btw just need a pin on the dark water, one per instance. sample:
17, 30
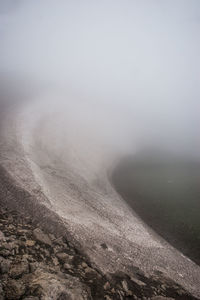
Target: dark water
165, 191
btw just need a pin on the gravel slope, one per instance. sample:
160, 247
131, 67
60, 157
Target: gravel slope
62, 182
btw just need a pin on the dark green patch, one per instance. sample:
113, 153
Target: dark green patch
165, 191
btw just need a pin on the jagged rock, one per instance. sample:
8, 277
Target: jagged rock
30, 243
4, 252
31, 298
161, 298
41, 237
104, 246
59, 241
106, 286
84, 265
90, 271
4, 265
64, 257
53, 286
138, 282
45, 272
2, 236
2, 297
32, 267
1, 292
18, 269
14, 289
125, 286
67, 266
107, 297
55, 261
52, 236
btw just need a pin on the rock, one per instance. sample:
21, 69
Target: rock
1, 292
107, 297
106, 286
53, 286
4, 252
41, 237
17, 270
84, 265
14, 289
55, 261
90, 270
2, 236
10, 246
104, 246
59, 241
4, 265
138, 282
161, 298
31, 298
64, 257
52, 236
125, 286
46, 252
33, 267
30, 243
67, 266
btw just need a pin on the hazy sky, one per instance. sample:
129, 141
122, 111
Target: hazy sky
141, 55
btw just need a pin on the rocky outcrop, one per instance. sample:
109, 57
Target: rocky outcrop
35, 265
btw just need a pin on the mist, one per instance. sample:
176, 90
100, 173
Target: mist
99, 149
131, 67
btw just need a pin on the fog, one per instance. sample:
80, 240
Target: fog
132, 67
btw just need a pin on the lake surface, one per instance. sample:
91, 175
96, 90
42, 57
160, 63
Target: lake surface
165, 191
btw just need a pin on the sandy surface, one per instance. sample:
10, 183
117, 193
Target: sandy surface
51, 156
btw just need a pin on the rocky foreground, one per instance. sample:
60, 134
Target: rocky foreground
36, 265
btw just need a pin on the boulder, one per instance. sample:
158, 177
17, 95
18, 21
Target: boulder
4, 265
14, 289
41, 237
64, 257
18, 269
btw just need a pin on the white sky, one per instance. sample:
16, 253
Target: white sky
140, 56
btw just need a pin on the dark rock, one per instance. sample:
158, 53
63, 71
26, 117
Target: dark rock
1, 292
18, 269
14, 289
104, 246
10, 246
4, 265
64, 296
4, 252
